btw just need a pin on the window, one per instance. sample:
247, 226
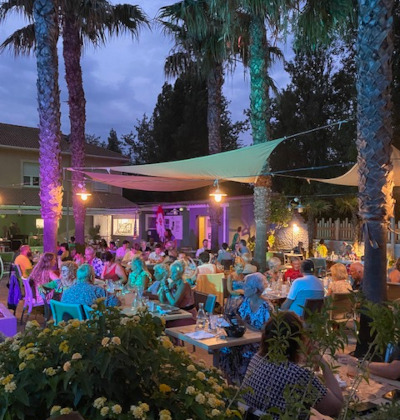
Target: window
99, 186
30, 174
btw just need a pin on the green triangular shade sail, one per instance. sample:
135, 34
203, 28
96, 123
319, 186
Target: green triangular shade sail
241, 165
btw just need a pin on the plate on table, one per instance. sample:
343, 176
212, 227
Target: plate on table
167, 309
99, 282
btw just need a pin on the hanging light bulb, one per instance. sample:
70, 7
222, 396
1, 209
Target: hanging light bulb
217, 193
84, 195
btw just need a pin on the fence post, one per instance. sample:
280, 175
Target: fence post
337, 229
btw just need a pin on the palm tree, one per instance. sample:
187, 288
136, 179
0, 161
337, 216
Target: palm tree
80, 20
313, 209
46, 31
274, 13
199, 48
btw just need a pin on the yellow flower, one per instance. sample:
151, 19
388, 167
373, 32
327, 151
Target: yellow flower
164, 388
191, 368
145, 407
7, 379
50, 371
166, 342
99, 402
117, 409
136, 411
32, 324
65, 410
55, 409
75, 323
217, 388
215, 412
200, 398
46, 331
22, 366
76, 356
105, 341
12, 386
190, 390
30, 357
104, 411
64, 346
165, 415
29, 345
201, 376
67, 366
116, 341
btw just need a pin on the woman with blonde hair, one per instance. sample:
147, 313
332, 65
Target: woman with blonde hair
43, 271
274, 265
139, 276
339, 283
234, 286
66, 280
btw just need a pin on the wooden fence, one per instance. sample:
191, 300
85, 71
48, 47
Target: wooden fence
343, 230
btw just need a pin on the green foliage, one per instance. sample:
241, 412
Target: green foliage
94, 232
108, 367
178, 127
114, 143
93, 139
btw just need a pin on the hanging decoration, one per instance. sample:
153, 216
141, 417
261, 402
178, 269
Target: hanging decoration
160, 224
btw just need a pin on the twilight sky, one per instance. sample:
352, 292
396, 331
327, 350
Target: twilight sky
121, 80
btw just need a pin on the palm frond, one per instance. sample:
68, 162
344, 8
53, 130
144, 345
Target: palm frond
22, 7
21, 42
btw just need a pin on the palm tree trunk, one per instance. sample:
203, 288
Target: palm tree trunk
72, 47
46, 33
214, 90
259, 122
310, 233
374, 135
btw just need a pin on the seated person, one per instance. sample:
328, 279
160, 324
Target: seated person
394, 275
224, 254
176, 292
234, 285
249, 268
303, 288
191, 270
91, 259
112, 248
205, 266
66, 280
122, 250
84, 292
274, 271
294, 272
64, 253
254, 312
23, 260
203, 249
269, 381
356, 271
299, 249
243, 247
112, 270
339, 283
139, 276
157, 256
43, 272
161, 273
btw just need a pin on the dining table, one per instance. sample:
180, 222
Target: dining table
212, 342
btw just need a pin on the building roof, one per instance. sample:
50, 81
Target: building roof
17, 136
30, 197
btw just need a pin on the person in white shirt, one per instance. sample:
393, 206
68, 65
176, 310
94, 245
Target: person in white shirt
205, 266
303, 288
157, 256
122, 250
200, 250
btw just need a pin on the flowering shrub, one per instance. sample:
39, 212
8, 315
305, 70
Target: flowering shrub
106, 368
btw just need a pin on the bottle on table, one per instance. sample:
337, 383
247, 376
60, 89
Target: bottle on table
201, 319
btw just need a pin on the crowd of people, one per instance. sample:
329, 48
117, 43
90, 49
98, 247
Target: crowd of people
69, 276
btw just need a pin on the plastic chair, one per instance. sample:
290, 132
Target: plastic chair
88, 311
208, 301
393, 291
342, 308
298, 304
30, 301
312, 306
66, 311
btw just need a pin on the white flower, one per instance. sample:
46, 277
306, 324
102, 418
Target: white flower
136, 411
65, 410
200, 398
191, 368
116, 409
165, 415
105, 341
49, 371
76, 356
116, 341
55, 409
10, 387
201, 376
104, 411
99, 402
215, 412
190, 390
124, 321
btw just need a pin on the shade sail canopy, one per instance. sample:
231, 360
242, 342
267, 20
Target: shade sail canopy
241, 165
351, 177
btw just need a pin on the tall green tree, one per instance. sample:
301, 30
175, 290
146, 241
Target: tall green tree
46, 31
113, 143
79, 20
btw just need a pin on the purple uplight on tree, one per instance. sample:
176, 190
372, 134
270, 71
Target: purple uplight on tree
46, 32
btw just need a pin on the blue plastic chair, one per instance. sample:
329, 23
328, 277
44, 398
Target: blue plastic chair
66, 311
88, 311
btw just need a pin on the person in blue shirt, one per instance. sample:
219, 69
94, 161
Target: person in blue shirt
84, 292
